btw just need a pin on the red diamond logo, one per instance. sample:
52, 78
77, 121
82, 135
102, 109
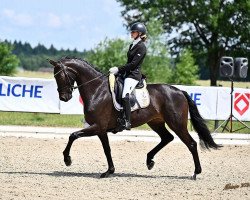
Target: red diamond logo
241, 99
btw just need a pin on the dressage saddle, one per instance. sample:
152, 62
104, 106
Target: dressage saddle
119, 84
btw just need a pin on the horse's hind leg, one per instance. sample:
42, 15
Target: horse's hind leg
192, 146
166, 137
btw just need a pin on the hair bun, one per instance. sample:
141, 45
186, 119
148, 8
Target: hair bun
144, 37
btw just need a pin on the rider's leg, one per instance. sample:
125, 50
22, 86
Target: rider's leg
129, 86
126, 112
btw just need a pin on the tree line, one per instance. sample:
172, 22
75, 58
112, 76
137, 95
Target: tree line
35, 59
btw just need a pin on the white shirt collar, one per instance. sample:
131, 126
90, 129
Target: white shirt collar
136, 41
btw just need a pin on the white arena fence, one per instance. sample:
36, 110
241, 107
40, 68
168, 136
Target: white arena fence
40, 95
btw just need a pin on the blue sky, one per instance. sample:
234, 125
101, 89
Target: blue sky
80, 24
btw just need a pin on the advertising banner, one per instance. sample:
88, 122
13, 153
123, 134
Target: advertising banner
204, 97
73, 106
240, 103
40, 95
28, 95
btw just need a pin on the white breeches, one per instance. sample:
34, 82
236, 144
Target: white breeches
129, 86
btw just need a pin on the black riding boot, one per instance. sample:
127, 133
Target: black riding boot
127, 112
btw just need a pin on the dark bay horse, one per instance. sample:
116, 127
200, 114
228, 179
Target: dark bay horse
167, 105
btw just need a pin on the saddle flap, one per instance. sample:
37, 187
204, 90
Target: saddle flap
119, 83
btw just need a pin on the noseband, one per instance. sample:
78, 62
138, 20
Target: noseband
68, 77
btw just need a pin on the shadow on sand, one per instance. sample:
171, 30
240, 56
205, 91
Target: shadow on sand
93, 175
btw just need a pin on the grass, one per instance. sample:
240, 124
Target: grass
57, 120
235, 127
40, 119
33, 74
76, 121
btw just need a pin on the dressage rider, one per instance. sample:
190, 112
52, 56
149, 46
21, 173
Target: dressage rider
131, 71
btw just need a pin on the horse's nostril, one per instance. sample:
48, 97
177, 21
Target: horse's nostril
62, 98
65, 97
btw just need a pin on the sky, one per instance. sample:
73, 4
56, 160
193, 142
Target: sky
79, 24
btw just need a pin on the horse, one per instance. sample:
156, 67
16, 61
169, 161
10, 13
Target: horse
168, 104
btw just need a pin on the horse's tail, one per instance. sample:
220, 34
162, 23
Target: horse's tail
199, 125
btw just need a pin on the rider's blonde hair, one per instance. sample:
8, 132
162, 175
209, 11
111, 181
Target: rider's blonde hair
144, 37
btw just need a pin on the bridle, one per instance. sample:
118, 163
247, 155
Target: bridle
68, 77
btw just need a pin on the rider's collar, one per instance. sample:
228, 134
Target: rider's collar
136, 41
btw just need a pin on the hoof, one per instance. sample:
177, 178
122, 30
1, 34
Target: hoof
107, 173
151, 165
67, 160
193, 177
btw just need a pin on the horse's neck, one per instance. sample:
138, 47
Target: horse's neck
87, 75
89, 81
93, 92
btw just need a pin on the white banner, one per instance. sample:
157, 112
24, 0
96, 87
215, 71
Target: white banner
28, 95
204, 97
40, 95
73, 106
240, 104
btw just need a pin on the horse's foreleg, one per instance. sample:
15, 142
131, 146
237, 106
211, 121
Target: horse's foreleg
89, 131
105, 143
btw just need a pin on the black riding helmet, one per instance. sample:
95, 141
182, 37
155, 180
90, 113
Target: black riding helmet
140, 27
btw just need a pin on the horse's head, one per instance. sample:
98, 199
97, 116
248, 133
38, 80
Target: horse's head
65, 79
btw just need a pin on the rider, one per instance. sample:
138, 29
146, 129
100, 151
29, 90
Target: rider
131, 70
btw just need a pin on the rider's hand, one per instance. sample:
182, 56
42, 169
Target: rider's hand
113, 70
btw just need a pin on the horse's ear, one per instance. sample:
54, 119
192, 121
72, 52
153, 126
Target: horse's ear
52, 62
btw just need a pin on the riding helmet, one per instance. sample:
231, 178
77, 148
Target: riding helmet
140, 27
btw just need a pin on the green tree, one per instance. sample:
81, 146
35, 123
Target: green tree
8, 61
157, 61
185, 72
212, 28
109, 53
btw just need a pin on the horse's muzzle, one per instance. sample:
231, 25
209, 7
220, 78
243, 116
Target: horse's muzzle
65, 97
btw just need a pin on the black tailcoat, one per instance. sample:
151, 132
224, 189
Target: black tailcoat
132, 69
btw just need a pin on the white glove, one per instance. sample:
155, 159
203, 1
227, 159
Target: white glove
113, 70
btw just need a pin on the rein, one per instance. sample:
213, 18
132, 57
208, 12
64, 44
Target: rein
75, 87
72, 87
